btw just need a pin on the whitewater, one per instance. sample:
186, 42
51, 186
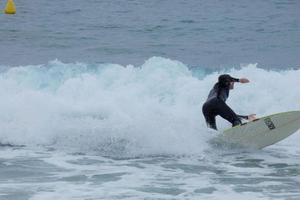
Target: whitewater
109, 131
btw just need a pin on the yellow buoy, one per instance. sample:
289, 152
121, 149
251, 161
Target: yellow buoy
10, 7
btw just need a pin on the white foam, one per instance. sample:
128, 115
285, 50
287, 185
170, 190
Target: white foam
126, 110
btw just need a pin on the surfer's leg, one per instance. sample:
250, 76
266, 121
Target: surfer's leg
211, 123
227, 113
209, 116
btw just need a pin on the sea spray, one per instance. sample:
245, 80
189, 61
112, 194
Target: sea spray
126, 110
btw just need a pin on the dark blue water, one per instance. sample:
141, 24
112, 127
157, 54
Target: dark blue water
202, 33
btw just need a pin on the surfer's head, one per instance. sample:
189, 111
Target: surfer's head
226, 81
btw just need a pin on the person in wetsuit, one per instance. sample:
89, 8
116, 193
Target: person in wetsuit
215, 103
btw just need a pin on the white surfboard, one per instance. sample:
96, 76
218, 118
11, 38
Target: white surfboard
264, 131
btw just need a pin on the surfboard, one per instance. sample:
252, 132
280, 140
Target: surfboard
264, 131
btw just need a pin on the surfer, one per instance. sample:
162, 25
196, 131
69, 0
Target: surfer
215, 103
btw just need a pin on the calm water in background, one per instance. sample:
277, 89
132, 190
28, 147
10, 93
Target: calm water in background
80, 128
199, 33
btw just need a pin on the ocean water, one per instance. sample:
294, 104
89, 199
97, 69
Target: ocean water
102, 99
200, 33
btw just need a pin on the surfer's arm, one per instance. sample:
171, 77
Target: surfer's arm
243, 117
235, 79
247, 117
243, 80
240, 80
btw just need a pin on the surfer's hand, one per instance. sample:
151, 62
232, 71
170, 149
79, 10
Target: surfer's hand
251, 117
244, 80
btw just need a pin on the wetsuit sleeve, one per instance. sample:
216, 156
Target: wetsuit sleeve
243, 116
235, 79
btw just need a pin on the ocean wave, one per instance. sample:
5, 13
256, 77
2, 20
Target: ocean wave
126, 110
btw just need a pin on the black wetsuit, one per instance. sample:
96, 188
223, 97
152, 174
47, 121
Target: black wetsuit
215, 105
